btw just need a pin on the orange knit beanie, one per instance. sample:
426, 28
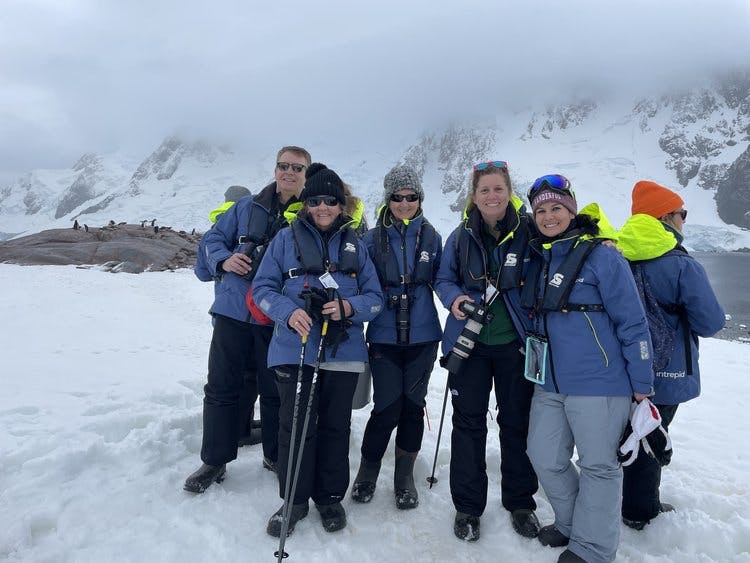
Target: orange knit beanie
655, 200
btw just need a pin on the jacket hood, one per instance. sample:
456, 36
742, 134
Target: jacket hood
644, 237
353, 221
213, 216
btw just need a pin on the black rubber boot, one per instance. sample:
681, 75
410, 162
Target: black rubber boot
525, 522
298, 512
254, 436
364, 483
466, 527
204, 477
403, 480
333, 516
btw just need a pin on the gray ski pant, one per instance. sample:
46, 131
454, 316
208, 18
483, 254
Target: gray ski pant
586, 503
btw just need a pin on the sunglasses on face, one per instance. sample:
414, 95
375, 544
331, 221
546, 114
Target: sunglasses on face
494, 163
315, 201
550, 181
398, 198
681, 212
284, 166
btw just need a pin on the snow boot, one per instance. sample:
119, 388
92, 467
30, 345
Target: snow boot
403, 480
364, 483
552, 537
525, 522
640, 524
568, 556
466, 526
204, 477
268, 464
275, 523
333, 516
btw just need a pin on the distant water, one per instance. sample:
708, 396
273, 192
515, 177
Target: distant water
729, 273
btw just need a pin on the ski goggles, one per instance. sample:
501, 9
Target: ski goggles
550, 181
315, 201
398, 198
284, 166
494, 164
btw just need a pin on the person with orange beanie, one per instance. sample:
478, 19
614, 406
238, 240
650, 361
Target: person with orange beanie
652, 237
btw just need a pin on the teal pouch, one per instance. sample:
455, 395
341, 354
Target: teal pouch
535, 366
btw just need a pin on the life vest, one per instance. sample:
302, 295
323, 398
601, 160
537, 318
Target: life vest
315, 262
386, 261
558, 287
472, 256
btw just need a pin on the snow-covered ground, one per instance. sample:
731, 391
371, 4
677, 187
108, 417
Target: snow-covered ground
100, 423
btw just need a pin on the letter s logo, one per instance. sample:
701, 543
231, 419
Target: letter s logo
557, 280
511, 259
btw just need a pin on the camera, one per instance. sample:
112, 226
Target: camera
255, 253
401, 304
477, 317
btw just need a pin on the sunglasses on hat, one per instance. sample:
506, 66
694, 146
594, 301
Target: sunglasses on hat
284, 166
398, 198
315, 201
550, 181
494, 163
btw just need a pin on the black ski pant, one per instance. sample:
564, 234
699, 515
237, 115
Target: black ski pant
641, 479
230, 391
269, 392
470, 391
324, 473
400, 376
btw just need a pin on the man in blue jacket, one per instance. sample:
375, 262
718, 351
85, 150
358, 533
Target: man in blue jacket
232, 252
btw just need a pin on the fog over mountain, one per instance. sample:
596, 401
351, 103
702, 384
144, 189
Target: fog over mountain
101, 77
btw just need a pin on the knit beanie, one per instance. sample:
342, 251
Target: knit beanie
401, 178
322, 181
655, 200
235, 193
566, 199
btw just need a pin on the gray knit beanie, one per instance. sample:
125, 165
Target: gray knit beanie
235, 193
401, 178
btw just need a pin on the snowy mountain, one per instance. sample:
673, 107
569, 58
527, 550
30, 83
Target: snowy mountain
689, 142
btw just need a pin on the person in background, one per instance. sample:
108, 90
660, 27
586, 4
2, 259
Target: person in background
318, 250
232, 251
403, 339
652, 237
589, 352
482, 265
250, 429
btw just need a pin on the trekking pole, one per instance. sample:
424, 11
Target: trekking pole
432, 479
287, 509
289, 501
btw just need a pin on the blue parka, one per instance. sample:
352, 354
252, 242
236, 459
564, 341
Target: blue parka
447, 281
424, 325
676, 278
594, 353
278, 297
223, 240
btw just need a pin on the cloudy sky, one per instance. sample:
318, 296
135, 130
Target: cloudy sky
97, 75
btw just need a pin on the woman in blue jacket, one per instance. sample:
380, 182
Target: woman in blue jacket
588, 349
482, 265
403, 339
318, 250
652, 237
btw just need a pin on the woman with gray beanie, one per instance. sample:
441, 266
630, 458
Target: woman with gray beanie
403, 339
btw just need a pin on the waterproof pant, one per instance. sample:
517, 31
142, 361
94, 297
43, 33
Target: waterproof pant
400, 376
230, 391
269, 392
470, 392
324, 473
641, 479
586, 504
